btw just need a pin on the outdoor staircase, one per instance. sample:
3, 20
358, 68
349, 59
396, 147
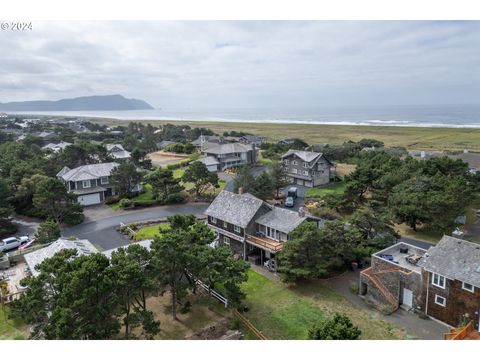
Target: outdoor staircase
373, 277
466, 332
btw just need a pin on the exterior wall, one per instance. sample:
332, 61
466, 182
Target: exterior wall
236, 246
458, 302
395, 282
229, 227
321, 171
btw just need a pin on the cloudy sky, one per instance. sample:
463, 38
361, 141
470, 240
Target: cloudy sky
245, 64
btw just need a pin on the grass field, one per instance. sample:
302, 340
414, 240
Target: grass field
409, 137
12, 330
149, 232
333, 188
282, 312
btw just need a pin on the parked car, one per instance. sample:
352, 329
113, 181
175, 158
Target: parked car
289, 202
12, 243
27, 245
292, 192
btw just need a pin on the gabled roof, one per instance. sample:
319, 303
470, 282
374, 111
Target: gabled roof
309, 156
209, 160
237, 209
228, 148
60, 146
281, 219
83, 247
87, 172
114, 147
123, 154
455, 259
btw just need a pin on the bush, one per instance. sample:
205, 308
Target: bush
234, 323
179, 165
125, 203
338, 328
354, 288
112, 199
7, 228
143, 203
175, 199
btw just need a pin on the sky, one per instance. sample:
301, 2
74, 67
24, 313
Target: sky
245, 64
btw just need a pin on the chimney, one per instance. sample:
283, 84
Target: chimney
240, 190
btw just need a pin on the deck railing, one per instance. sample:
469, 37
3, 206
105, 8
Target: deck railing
459, 333
269, 245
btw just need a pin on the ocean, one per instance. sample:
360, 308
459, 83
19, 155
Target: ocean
451, 116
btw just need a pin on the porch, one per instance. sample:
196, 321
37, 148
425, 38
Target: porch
262, 251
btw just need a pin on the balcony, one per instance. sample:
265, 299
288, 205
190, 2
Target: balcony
264, 243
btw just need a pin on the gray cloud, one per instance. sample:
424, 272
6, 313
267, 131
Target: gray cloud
267, 64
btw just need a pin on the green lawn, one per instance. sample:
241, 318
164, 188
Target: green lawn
333, 188
146, 195
149, 232
282, 312
12, 330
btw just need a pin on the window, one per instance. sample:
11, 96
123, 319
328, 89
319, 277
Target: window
294, 171
468, 287
294, 162
213, 220
438, 280
305, 172
439, 300
86, 184
286, 162
305, 165
225, 224
104, 180
226, 240
236, 228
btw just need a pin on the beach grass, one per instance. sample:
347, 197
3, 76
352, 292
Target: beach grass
418, 138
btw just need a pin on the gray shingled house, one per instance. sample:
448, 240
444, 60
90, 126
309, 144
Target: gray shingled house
443, 282
307, 168
252, 228
91, 183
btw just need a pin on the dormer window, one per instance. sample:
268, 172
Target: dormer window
86, 184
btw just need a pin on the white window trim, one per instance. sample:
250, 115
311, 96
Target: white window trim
213, 220
439, 277
286, 162
104, 178
294, 162
89, 184
305, 164
294, 171
440, 297
466, 289
226, 240
225, 225
305, 172
236, 228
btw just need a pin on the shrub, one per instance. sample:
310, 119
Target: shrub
144, 203
7, 228
234, 323
175, 199
125, 203
354, 288
338, 328
112, 199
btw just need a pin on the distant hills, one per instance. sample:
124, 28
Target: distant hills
84, 103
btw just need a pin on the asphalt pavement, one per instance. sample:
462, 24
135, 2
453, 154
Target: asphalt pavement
102, 231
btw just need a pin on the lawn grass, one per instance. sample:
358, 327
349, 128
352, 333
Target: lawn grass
149, 232
332, 188
147, 194
282, 312
418, 138
12, 330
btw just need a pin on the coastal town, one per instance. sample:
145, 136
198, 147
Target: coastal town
160, 230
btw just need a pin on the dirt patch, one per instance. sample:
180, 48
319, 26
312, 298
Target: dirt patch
212, 332
161, 158
345, 169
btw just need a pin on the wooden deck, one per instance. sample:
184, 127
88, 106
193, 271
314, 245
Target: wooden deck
468, 332
264, 243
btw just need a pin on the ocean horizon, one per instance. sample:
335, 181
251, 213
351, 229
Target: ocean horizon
448, 116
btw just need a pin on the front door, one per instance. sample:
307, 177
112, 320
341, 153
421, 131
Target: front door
407, 298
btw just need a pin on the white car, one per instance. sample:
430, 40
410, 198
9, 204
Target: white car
12, 243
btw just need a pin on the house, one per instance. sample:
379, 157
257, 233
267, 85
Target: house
425, 155
288, 141
307, 168
163, 144
443, 282
210, 162
207, 139
34, 258
91, 183
230, 154
3, 116
471, 159
117, 151
56, 147
252, 139
252, 228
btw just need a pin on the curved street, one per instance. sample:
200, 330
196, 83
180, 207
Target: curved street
101, 222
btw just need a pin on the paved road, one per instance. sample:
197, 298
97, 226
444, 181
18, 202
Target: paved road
418, 243
102, 231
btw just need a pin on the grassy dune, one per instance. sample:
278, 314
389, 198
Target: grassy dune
410, 137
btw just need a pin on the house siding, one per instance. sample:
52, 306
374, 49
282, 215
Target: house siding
321, 171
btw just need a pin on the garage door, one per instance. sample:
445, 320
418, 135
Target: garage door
407, 298
89, 199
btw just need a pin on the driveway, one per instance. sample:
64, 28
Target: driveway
415, 327
101, 231
25, 225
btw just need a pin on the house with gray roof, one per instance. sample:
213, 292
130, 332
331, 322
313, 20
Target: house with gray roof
117, 151
252, 228
307, 168
231, 154
442, 281
91, 183
56, 147
472, 159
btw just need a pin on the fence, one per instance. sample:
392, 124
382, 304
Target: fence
250, 326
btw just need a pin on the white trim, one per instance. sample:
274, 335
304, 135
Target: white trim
84, 182
439, 303
294, 171
305, 172
472, 289
225, 224
236, 228
437, 284
104, 182
294, 162
305, 165
213, 220
226, 240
